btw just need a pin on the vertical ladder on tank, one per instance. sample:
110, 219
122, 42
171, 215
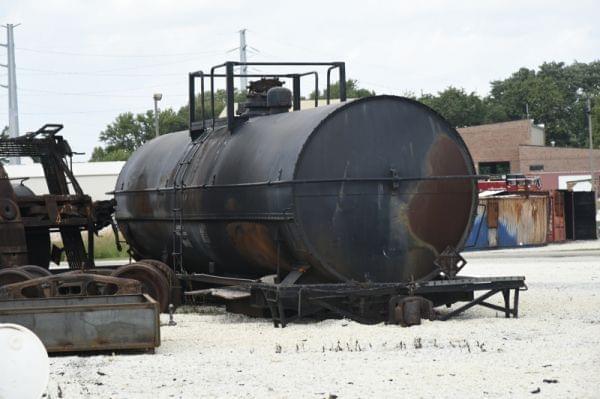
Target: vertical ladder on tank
177, 249
178, 231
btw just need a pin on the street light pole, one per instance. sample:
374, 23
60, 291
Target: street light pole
589, 120
157, 97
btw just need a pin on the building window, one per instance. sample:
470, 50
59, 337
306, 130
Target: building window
538, 168
494, 168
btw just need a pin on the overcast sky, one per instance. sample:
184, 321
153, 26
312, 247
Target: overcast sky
81, 63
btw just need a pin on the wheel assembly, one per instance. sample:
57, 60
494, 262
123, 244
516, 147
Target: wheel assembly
35, 271
163, 268
175, 292
13, 275
154, 283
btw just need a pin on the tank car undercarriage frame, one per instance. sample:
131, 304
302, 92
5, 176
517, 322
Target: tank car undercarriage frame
284, 300
394, 303
367, 303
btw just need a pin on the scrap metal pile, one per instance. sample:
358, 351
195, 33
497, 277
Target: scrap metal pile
44, 300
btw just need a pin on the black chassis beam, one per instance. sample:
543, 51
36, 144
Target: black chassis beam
305, 299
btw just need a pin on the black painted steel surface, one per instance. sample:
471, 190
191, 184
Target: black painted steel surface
310, 189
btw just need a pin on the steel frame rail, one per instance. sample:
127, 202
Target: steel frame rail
324, 296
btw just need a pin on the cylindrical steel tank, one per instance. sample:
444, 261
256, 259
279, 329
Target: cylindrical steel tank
307, 189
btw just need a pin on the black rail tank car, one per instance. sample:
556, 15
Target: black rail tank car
367, 190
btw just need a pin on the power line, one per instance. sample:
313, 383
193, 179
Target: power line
85, 93
73, 112
92, 94
105, 55
115, 69
77, 73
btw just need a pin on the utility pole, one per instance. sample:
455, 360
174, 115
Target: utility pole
243, 68
588, 110
157, 97
13, 109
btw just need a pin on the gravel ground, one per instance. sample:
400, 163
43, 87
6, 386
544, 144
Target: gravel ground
552, 350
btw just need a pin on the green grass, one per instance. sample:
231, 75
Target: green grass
104, 245
105, 248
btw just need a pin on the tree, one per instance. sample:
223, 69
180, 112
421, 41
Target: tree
128, 132
352, 91
554, 95
458, 107
220, 104
101, 155
543, 96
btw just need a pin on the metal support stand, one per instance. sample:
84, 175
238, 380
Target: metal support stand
371, 303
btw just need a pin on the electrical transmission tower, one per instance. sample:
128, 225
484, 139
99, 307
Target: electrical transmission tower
244, 49
243, 68
13, 109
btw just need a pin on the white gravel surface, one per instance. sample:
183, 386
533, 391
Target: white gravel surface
479, 354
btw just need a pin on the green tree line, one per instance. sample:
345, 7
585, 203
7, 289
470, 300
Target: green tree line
129, 131
553, 94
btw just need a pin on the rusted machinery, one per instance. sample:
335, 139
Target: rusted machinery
26, 219
357, 205
88, 323
82, 308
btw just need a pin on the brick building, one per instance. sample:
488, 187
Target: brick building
519, 147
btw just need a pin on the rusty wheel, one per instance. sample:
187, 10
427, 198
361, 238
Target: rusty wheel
153, 282
163, 268
174, 285
35, 271
13, 275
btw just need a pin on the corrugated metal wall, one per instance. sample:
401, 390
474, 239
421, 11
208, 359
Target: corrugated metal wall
510, 221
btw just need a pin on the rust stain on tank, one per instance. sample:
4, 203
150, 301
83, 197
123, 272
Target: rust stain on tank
254, 241
437, 211
230, 204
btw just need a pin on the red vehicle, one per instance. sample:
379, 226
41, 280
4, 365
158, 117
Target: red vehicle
511, 183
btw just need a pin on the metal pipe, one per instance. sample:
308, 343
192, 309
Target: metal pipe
342, 81
312, 181
296, 93
230, 95
192, 100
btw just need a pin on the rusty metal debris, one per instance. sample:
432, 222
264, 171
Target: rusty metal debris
409, 310
69, 285
82, 309
88, 323
153, 282
26, 219
13, 275
450, 262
